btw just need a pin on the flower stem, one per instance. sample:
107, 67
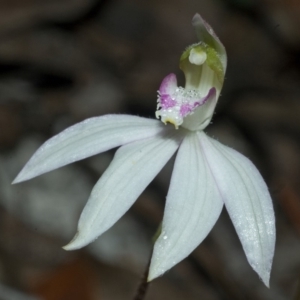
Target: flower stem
144, 284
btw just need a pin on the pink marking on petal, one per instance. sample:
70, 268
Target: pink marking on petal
168, 85
186, 109
211, 93
166, 101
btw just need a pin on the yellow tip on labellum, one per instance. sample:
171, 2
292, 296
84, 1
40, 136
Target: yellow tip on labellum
170, 121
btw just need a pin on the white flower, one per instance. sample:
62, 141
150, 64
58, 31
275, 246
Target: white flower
206, 173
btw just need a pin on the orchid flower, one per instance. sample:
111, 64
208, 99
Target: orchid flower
206, 174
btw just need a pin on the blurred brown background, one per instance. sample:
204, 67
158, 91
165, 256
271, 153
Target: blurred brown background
62, 61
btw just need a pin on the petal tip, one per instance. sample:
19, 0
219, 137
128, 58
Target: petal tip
75, 243
265, 277
196, 18
199, 21
153, 273
16, 180
25, 174
157, 267
150, 278
20, 178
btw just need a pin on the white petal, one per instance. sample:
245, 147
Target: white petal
248, 202
132, 169
85, 139
192, 208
